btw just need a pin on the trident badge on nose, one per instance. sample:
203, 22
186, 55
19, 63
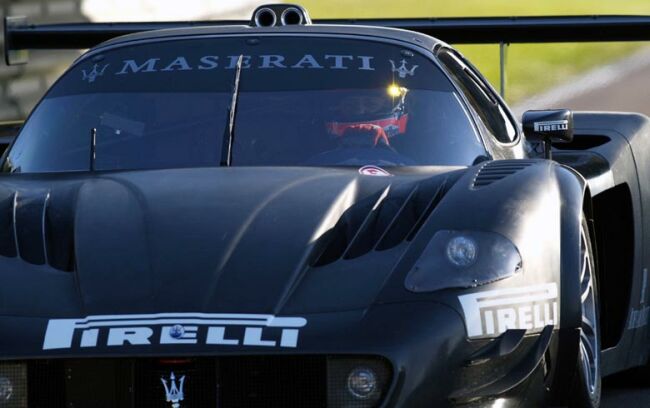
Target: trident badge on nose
173, 393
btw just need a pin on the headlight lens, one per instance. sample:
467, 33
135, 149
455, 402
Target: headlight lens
13, 385
463, 259
357, 382
362, 382
461, 251
6, 390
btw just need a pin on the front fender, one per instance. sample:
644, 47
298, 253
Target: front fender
575, 199
536, 204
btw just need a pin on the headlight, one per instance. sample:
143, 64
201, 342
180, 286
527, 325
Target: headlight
6, 390
463, 259
362, 383
357, 382
461, 251
13, 385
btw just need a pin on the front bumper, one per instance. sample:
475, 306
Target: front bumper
422, 345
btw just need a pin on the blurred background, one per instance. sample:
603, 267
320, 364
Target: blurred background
579, 76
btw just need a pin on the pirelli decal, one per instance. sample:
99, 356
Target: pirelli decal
173, 329
490, 313
551, 125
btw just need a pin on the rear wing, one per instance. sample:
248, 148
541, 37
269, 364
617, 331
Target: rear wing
20, 36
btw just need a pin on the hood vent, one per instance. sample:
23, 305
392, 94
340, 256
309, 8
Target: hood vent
496, 170
58, 228
7, 236
381, 221
30, 210
37, 227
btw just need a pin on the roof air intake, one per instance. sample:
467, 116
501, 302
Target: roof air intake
272, 15
265, 17
292, 16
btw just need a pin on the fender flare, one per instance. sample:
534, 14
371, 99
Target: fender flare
576, 203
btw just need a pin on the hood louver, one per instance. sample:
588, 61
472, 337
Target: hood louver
381, 221
497, 170
36, 226
7, 236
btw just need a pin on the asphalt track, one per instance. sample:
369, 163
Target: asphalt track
623, 86
630, 94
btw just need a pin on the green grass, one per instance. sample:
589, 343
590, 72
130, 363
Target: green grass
531, 67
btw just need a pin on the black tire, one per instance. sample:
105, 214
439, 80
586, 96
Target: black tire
587, 384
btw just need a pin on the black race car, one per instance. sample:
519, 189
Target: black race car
277, 213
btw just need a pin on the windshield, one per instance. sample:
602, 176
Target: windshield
302, 101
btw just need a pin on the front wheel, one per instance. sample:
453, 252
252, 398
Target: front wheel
587, 383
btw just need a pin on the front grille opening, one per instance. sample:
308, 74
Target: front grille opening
46, 383
256, 382
224, 382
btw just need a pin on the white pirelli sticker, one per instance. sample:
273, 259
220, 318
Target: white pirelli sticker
217, 329
490, 313
551, 125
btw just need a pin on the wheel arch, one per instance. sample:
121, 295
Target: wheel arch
576, 200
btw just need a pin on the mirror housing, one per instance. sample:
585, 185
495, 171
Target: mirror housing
8, 131
548, 125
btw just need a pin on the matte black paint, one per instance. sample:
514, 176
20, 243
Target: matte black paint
268, 240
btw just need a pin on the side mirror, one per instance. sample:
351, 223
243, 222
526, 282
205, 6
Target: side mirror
548, 126
8, 131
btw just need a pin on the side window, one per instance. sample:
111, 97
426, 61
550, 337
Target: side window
480, 96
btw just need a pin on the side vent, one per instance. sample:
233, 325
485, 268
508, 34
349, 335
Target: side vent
499, 169
381, 221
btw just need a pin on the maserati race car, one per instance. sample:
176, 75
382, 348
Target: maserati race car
280, 213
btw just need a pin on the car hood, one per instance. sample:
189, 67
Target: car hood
232, 240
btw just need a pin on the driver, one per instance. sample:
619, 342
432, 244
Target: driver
369, 118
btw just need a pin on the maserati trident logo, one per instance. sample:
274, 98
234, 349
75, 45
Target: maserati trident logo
402, 71
94, 73
177, 331
173, 393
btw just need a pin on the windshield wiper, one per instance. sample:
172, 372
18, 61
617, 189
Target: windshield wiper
229, 131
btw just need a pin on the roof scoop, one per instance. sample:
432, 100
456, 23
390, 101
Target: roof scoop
265, 17
273, 15
292, 16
